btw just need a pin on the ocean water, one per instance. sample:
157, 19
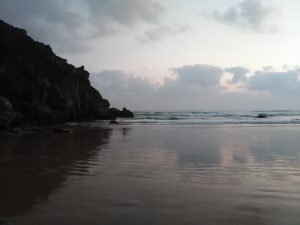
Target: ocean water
274, 117
153, 173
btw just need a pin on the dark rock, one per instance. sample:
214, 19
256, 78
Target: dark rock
6, 113
127, 113
106, 103
42, 87
114, 113
113, 122
261, 116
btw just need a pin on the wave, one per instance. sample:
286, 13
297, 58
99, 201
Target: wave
161, 118
274, 117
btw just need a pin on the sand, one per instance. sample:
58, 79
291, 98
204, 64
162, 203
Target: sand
151, 175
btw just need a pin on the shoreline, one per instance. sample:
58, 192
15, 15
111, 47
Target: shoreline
69, 127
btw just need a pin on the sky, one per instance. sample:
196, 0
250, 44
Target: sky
175, 54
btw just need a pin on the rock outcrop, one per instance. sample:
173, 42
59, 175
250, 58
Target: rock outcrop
42, 87
261, 116
113, 112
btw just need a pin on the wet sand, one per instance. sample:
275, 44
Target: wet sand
151, 175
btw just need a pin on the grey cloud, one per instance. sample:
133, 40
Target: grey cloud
123, 89
239, 73
203, 75
48, 21
231, 15
124, 83
158, 33
251, 14
191, 89
268, 68
277, 83
139, 93
68, 24
127, 12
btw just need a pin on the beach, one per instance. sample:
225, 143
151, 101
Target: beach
149, 112
155, 174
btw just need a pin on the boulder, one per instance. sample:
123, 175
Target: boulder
261, 116
114, 122
114, 113
126, 113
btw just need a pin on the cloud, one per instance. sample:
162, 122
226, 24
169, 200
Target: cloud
123, 89
68, 24
270, 68
194, 81
159, 32
250, 14
123, 82
279, 84
127, 13
198, 86
202, 75
239, 73
48, 21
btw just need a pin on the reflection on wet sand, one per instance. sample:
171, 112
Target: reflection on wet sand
153, 175
34, 166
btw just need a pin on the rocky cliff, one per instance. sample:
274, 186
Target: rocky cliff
42, 87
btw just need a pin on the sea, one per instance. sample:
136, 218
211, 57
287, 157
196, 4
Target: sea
211, 118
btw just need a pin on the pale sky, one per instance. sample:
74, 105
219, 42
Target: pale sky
175, 54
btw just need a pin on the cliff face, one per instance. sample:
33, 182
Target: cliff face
41, 86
